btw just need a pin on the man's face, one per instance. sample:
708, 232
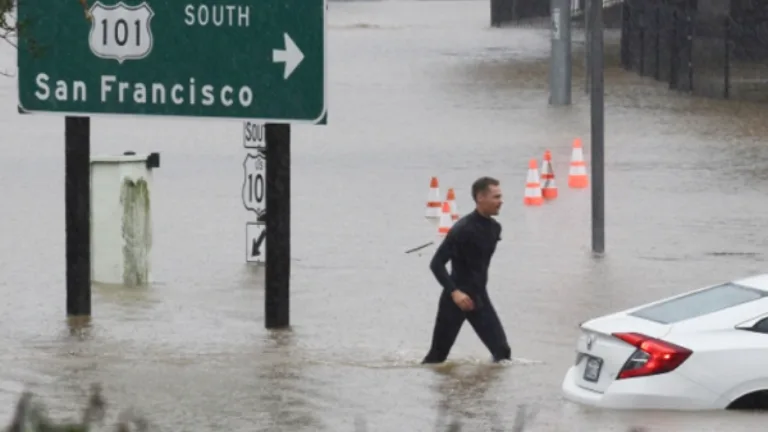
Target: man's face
490, 201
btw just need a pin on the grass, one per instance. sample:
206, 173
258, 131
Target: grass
30, 416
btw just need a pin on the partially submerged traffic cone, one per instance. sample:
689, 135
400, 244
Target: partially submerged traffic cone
446, 222
533, 186
548, 187
451, 198
577, 173
433, 199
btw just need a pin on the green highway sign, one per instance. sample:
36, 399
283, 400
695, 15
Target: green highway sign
261, 60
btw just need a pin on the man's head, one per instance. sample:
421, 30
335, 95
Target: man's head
487, 194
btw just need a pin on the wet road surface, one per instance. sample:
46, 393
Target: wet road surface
416, 89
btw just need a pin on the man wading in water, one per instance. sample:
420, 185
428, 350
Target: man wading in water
469, 246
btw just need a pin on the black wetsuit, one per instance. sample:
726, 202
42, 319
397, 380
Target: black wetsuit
469, 246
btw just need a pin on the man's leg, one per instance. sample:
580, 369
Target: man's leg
488, 327
447, 325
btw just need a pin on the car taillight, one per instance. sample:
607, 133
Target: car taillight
652, 357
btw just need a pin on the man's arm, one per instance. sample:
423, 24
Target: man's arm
447, 251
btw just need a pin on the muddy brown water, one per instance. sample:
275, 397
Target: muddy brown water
416, 89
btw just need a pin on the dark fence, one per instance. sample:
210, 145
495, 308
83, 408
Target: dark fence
517, 12
714, 48
512, 12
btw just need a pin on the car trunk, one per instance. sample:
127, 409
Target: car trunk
600, 356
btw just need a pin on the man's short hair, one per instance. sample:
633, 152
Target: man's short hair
481, 185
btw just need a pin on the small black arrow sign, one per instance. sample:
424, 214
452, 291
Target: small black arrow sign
256, 248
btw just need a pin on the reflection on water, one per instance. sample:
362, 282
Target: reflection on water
288, 402
459, 392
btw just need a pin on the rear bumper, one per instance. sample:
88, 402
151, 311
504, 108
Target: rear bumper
669, 391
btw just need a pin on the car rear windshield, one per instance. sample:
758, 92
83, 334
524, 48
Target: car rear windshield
700, 303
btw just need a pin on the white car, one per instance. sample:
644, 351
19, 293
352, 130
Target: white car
705, 349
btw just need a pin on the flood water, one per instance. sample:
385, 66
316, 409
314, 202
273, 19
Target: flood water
417, 89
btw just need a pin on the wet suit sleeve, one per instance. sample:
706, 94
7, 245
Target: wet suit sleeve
447, 251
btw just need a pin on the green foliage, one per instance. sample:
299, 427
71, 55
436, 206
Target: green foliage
31, 416
8, 27
11, 29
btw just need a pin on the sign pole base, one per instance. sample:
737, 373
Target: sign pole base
77, 160
278, 221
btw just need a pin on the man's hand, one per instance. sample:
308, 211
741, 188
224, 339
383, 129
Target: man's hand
462, 300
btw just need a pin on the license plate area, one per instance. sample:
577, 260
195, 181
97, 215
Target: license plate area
592, 368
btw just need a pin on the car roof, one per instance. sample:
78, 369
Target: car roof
718, 318
759, 282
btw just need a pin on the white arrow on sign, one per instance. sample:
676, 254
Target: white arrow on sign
291, 56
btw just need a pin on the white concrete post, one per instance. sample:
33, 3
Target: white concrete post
121, 222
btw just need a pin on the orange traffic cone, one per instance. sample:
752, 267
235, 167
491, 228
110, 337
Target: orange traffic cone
446, 222
451, 198
548, 188
533, 186
577, 174
433, 199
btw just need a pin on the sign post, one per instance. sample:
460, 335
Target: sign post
560, 53
597, 114
278, 271
263, 61
77, 203
254, 191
